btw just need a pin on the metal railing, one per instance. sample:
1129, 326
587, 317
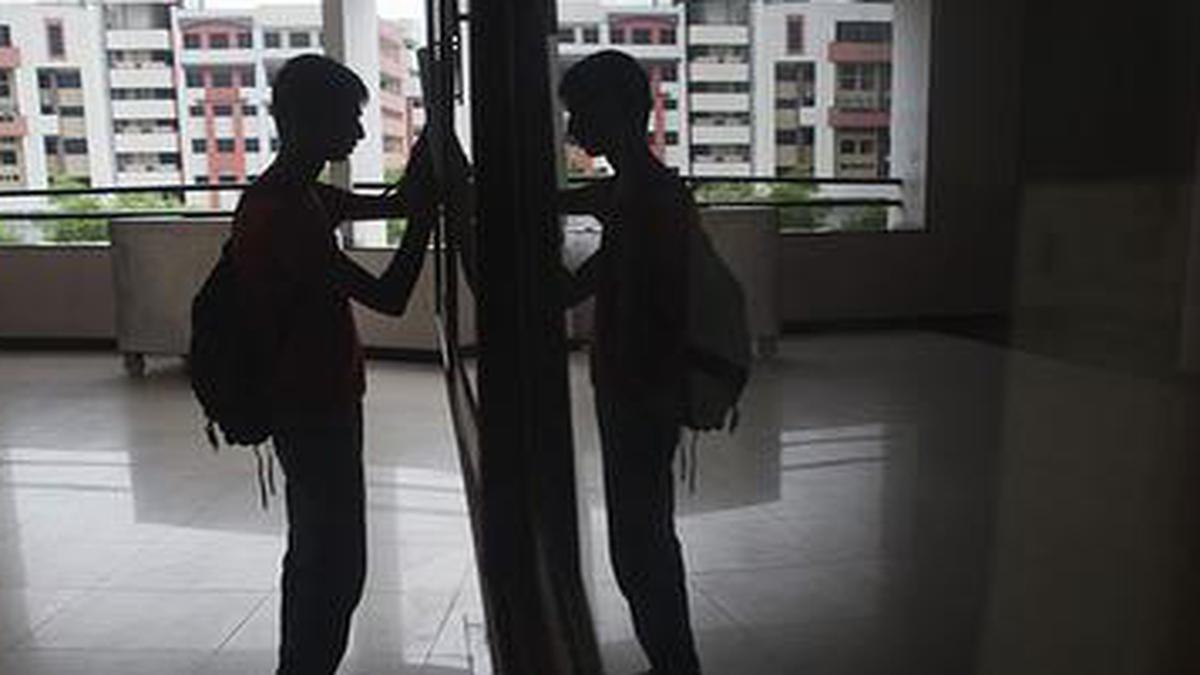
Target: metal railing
696, 183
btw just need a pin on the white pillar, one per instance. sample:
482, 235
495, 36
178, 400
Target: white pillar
910, 108
351, 33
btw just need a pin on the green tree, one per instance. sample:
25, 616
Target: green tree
75, 229
866, 219
395, 226
83, 229
790, 217
7, 236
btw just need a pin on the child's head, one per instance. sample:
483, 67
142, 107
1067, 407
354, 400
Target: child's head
608, 97
316, 103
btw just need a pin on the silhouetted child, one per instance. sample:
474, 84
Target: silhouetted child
639, 279
298, 285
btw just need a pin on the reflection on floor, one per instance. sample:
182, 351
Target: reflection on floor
900, 503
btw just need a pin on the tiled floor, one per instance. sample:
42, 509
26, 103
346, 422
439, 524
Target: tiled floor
892, 503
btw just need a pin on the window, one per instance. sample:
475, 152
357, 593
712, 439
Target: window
671, 138
591, 35
194, 77
566, 36
222, 110
271, 39
616, 35
55, 44
786, 136
191, 41
50, 143
196, 110
666, 36
299, 39
199, 145
245, 40
69, 79
227, 178
642, 36
866, 147
246, 76
668, 72
218, 40
249, 110
8, 157
70, 110
201, 180
224, 145
5, 36
221, 77
864, 31
251, 144
670, 104
795, 34
5, 86
75, 146
847, 147
168, 158
274, 144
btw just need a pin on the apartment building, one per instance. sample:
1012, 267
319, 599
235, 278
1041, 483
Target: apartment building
54, 112
141, 56
720, 51
823, 88
653, 35
229, 60
153, 93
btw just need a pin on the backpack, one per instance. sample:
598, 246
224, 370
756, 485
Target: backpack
229, 382
718, 351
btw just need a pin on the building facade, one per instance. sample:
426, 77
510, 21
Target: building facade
154, 93
54, 112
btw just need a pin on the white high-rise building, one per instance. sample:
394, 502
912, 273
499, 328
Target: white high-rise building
720, 52
822, 88
54, 111
140, 53
651, 34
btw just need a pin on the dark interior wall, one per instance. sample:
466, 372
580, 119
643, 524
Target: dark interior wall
960, 265
1107, 162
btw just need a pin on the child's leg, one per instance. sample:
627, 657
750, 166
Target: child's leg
645, 552
325, 564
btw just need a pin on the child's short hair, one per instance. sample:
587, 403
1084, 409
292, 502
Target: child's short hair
310, 89
612, 79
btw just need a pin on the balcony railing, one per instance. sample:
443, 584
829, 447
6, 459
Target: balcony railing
805, 204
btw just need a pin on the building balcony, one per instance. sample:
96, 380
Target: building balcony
720, 103
863, 101
859, 119
718, 35
139, 39
720, 134
150, 176
390, 100
12, 123
160, 77
152, 109
133, 142
703, 166
860, 52
222, 57
719, 72
10, 57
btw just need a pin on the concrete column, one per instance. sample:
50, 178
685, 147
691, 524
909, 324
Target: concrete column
351, 29
910, 108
